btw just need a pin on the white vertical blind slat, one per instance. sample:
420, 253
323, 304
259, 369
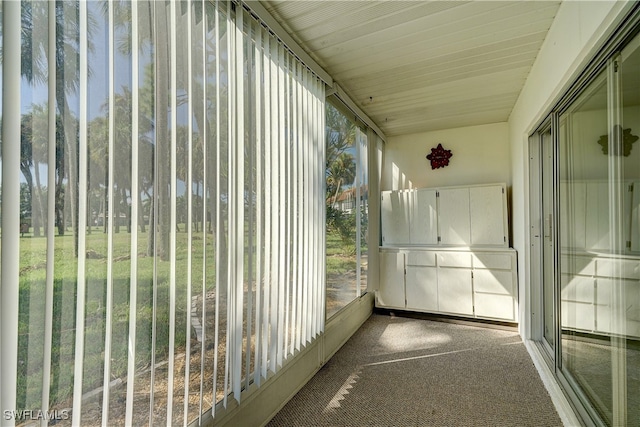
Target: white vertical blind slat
10, 197
308, 208
218, 219
272, 163
205, 195
267, 197
281, 205
294, 204
287, 191
51, 206
258, 101
316, 211
189, 189
323, 216
250, 219
81, 221
173, 196
238, 161
133, 288
300, 196
275, 203
229, 349
156, 186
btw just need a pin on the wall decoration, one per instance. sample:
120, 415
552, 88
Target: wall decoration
439, 157
627, 140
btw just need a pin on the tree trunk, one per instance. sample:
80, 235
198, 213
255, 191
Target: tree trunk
140, 213
162, 137
42, 216
71, 149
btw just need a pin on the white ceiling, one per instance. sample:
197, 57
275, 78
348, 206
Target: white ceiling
416, 66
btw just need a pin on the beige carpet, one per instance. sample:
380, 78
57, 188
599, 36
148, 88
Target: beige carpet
399, 371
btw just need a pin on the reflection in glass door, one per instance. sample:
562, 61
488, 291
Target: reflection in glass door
585, 218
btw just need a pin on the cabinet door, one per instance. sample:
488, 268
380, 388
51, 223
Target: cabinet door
453, 216
422, 288
455, 291
494, 294
423, 222
391, 291
395, 209
487, 211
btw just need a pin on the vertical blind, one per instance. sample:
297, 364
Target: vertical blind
170, 247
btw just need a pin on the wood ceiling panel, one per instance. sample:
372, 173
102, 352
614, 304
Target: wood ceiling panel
419, 65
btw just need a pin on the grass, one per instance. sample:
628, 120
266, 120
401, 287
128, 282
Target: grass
340, 263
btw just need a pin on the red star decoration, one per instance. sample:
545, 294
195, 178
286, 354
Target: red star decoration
439, 157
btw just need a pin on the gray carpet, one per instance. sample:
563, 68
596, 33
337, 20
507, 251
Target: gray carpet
399, 371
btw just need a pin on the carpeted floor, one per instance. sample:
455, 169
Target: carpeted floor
399, 371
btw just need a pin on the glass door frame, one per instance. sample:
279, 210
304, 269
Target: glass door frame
537, 230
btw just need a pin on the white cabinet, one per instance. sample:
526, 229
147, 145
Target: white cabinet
423, 224
494, 285
488, 213
452, 216
422, 276
455, 291
395, 211
480, 283
391, 292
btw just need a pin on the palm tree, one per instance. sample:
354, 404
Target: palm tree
34, 62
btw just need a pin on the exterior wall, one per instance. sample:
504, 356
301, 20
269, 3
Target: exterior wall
480, 156
577, 32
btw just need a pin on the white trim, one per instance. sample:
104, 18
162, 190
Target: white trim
560, 402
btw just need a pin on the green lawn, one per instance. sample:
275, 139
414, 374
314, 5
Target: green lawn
340, 261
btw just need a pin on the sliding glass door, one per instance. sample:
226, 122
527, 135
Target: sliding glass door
585, 189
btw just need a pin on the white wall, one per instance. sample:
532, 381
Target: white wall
579, 29
480, 156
